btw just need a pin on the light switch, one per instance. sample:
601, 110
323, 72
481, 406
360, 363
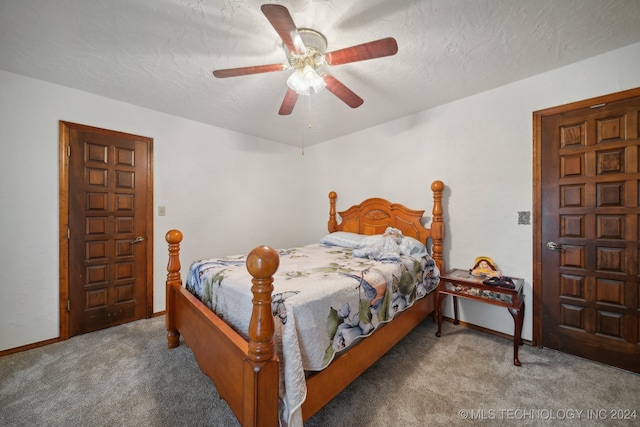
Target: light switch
524, 217
161, 211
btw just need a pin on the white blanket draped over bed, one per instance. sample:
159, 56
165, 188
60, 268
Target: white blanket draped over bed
324, 300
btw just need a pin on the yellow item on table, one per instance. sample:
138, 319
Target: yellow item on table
484, 266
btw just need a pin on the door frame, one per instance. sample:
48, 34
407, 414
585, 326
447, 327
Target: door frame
63, 201
537, 193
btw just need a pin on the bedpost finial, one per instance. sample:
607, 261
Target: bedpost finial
332, 225
173, 236
263, 262
437, 186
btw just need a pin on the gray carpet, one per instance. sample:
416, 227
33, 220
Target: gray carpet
125, 376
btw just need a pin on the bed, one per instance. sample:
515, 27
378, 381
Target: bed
244, 365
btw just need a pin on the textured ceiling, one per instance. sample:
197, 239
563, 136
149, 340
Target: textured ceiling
159, 54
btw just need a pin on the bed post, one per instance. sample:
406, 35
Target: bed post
437, 226
261, 382
262, 263
333, 222
173, 238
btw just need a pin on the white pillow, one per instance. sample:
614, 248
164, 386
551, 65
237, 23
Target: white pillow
344, 239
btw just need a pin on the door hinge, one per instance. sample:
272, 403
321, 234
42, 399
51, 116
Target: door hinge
68, 151
68, 306
68, 233
598, 105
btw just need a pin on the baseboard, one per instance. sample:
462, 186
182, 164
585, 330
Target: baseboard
486, 330
29, 346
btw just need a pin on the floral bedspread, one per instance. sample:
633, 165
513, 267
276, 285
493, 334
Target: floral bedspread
324, 300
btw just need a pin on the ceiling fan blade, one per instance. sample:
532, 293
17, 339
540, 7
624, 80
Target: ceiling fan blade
243, 71
282, 21
288, 102
362, 52
341, 91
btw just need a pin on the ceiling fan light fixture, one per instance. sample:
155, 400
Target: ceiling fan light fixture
305, 77
296, 82
302, 81
313, 79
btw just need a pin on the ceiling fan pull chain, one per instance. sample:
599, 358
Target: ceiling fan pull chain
308, 120
309, 111
302, 130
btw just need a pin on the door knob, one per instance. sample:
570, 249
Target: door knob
553, 246
138, 239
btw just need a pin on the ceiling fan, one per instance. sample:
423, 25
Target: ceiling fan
306, 51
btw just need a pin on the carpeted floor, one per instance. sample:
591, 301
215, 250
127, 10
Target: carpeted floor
126, 376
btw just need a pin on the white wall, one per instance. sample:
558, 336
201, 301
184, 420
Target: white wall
210, 180
481, 147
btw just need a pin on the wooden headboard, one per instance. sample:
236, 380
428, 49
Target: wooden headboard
374, 215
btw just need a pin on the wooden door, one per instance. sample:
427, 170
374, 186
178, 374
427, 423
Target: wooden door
588, 245
109, 232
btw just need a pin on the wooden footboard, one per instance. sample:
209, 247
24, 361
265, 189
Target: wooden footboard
246, 373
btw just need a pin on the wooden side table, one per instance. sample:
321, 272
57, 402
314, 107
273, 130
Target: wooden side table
461, 283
